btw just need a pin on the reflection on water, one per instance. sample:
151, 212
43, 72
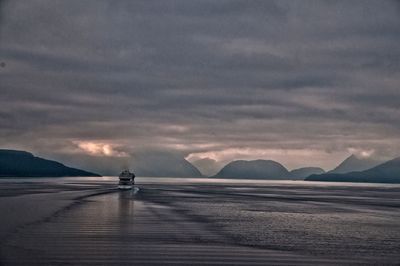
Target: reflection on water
126, 212
113, 180
193, 218
126, 206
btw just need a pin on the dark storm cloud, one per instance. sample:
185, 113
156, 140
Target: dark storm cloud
197, 77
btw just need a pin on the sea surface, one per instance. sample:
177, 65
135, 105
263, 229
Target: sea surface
77, 221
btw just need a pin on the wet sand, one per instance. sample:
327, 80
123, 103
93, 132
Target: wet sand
171, 221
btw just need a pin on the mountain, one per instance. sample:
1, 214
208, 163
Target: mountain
163, 164
207, 166
354, 163
143, 163
257, 169
301, 173
15, 163
388, 172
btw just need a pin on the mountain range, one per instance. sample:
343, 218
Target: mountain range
388, 172
352, 169
15, 163
264, 169
354, 163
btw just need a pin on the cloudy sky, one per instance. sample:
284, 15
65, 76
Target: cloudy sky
301, 82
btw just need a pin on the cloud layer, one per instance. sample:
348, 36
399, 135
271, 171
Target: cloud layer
303, 82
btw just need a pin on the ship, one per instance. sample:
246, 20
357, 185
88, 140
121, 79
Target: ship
126, 180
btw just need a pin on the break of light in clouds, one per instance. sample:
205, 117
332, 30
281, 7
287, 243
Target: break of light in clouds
302, 82
99, 149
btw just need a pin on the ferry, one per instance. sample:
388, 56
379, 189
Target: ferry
126, 180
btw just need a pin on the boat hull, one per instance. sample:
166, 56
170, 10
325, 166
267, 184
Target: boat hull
125, 184
125, 187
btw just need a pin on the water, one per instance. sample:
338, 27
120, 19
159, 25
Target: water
204, 221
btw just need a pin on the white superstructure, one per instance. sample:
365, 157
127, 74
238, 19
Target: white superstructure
126, 180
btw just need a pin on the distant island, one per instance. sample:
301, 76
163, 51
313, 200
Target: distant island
388, 172
257, 169
301, 173
264, 169
14, 163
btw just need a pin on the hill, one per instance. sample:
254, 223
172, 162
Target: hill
257, 169
15, 163
388, 172
354, 163
301, 173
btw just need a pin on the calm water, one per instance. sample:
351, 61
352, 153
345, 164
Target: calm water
195, 221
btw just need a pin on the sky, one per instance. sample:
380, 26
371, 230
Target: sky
305, 83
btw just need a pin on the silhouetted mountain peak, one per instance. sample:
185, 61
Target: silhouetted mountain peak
391, 167
163, 164
388, 172
256, 169
354, 163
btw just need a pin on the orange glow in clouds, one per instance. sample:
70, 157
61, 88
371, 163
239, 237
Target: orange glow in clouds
99, 149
